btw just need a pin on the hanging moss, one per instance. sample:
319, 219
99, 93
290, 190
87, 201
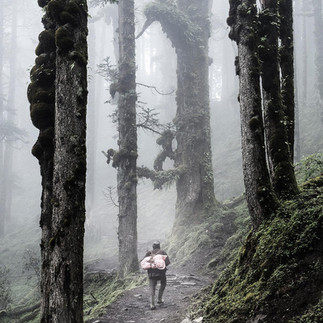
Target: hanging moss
175, 23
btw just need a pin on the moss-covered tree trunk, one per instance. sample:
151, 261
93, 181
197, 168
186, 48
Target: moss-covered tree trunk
259, 194
41, 95
188, 27
58, 95
318, 27
278, 151
287, 69
127, 166
195, 187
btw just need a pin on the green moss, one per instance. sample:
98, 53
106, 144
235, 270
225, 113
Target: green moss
42, 3
37, 150
63, 39
309, 167
175, 23
42, 59
46, 96
279, 267
74, 9
67, 18
78, 57
101, 289
54, 8
46, 137
42, 115
47, 40
31, 90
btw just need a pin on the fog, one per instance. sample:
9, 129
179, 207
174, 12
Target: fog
156, 67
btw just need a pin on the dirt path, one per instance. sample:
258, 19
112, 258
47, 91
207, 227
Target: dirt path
133, 306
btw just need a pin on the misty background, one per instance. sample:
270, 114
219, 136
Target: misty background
20, 24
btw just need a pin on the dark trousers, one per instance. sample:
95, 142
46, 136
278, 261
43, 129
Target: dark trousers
152, 285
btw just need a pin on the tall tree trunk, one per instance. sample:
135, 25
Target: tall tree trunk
279, 157
287, 69
318, 27
41, 95
2, 188
259, 193
127, 168
70, 167
62, 58
195, 188
187, 26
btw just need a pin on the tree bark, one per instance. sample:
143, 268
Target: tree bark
287, 69
127, 173
279, 156
66, 300
62, 58
41, 95
259, 193
195, 188
187, 26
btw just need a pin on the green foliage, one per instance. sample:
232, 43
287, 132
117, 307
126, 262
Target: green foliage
175, 23
161, 178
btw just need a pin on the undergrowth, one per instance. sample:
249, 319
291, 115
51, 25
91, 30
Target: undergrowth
101, 289
277, 274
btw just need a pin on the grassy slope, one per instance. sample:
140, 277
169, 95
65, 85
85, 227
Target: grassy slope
277, 275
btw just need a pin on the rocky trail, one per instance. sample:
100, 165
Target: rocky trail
133, 306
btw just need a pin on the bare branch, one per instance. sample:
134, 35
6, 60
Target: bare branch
154, 88
145, 26
109, 196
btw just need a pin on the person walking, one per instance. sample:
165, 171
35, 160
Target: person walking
155, 275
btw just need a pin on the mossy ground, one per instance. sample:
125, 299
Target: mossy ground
277, 274
101, 289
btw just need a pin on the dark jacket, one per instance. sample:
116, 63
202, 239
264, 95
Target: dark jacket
157, 273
